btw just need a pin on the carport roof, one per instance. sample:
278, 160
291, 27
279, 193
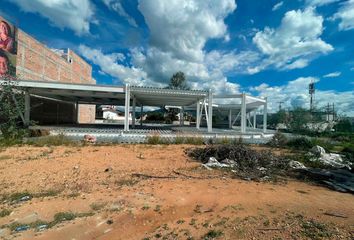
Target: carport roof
109, 94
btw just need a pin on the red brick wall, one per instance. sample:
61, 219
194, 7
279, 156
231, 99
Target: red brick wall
37, 62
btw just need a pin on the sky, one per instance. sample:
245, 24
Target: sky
267, 48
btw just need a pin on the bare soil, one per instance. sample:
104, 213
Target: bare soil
157, 192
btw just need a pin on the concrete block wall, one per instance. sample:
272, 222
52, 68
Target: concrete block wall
35, 61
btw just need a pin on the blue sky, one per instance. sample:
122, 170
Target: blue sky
267, 48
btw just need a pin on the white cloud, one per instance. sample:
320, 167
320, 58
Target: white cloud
294, 43
183, 27
295, 94
277, 6
117, 6
319, 2
72, 14
332, 75
112, 65
346, 15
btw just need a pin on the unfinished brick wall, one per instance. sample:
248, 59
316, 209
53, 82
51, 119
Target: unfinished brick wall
37, 62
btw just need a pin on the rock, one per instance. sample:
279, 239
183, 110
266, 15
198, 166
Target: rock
296, 165
318, 150
109, 169
109, 222
29, 218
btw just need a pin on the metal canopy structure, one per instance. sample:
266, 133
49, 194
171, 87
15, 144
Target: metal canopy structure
132, 96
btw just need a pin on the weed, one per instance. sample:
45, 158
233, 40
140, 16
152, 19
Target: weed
73, 195
157, 208
126, 182
155, 139
145, 207
197, 209
5, 212
194, 140
193, 222
5, 157
300, 143
212, 234
180, 221
315, 230
97, 206
57, 140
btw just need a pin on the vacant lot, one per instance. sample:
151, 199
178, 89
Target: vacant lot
155, 192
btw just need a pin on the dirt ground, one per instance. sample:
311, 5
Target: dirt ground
155, 192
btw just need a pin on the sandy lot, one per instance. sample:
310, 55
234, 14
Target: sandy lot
109, 196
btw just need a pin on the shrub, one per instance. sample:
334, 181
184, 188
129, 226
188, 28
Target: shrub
300, 143
278, 140
154, 139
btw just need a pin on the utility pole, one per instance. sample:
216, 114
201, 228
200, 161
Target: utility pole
312, 95
280, 103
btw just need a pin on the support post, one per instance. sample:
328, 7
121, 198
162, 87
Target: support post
210, 111
198, 115
141, 115
27, 108
181, 116
265, 112
243, 113
127, 107
133, 112
254, 119
230, 118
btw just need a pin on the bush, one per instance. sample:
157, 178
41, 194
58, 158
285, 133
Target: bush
154, 139
278, 140
300, 143
12, 105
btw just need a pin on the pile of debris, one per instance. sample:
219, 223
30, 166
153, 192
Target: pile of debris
331, 160
242, 160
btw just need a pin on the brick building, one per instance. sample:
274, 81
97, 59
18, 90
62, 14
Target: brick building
35, 61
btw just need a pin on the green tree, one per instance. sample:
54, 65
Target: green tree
276, 118
12, 105
299, 119
178, 81
344, 125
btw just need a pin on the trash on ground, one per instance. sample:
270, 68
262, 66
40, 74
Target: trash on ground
245, 162
90, 138
329, 159
22, 228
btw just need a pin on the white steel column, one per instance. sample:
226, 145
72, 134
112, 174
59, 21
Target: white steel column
198, 115
230, 118
254, 119
210, 112
127, 107
133, 112
265, 112
181, 116
243, 113
27, 108
141, 115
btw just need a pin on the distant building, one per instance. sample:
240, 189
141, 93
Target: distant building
31, 60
